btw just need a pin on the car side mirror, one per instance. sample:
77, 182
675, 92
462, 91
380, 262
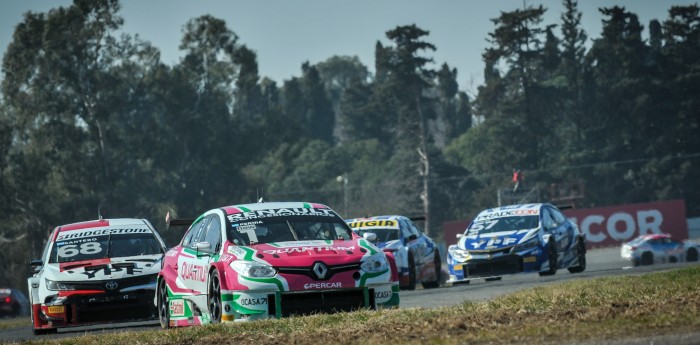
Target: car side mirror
459, 236
411, 238
36, 263
369, 236
203, 247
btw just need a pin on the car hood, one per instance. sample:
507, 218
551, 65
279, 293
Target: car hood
304, 253
395, 244
496, 240
104, 269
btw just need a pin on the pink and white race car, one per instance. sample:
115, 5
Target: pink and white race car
271, 260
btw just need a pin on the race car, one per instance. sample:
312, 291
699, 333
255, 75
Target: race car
659, 248
99, 271
13, 303
514, 239
271, 260
417, 257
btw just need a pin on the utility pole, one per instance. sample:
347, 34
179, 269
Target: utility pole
344, 180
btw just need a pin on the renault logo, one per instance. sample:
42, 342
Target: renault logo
320, 270
111, 285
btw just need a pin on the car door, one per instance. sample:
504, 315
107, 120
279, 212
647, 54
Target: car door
554, 229
565, 227
417, 244
193, 262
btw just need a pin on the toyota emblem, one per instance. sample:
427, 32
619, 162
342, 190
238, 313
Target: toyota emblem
320, 269
111, 285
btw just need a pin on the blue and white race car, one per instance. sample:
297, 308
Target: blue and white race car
514, 239
417, 256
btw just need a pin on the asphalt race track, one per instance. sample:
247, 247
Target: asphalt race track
600, 262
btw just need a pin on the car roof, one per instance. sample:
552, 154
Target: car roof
655, 236
385, 217
100, 223
270, 205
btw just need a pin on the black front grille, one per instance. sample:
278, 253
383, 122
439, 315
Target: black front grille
114, 307
122, 283
506, 264
307, 303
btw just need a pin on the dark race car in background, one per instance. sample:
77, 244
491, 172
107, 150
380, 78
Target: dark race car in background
98, 271
271, 260
13, 303
418, 259
514, 239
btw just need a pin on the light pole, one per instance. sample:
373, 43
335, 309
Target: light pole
344, 180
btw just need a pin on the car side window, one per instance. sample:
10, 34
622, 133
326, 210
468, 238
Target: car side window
405, 228
213, 233
558, 216
414, 229
547, 220
193, 233
45, 254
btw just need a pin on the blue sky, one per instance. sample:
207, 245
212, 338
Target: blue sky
286, 33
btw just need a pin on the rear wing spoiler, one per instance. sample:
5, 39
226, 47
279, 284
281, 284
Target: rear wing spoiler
416, 218
171, 222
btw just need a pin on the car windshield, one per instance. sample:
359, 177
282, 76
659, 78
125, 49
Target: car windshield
383, 234
288, 228
503, 224
637, 241
108, 243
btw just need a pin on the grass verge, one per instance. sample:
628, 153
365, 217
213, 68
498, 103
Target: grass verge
581, 310
15, 322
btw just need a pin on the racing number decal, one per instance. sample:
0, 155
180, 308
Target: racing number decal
480, 226
70, 250
249, 229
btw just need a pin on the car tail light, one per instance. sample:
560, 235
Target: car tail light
7, 299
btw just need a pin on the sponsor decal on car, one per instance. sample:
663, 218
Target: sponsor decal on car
101, 232
374, 223
193, 272
305, 249
333, 285
280, 212
382, 294
511, 213
252, 301
177, 307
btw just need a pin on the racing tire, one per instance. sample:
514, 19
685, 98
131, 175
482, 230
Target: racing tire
647, 259
411, 274
438, 273
692, 255
214, 297
163, 305
552, 255
581, 252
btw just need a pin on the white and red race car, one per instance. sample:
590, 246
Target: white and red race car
98, 271
659, 248
271, 260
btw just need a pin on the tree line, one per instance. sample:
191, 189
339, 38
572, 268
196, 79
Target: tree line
91, 120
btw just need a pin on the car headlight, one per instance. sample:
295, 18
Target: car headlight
58, 286
253, 269
375, 263
527, 245
459, 254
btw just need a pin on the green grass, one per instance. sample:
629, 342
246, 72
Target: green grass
581, 310
15, 322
